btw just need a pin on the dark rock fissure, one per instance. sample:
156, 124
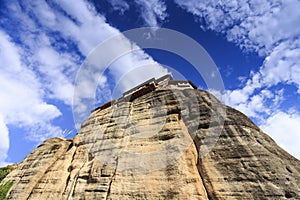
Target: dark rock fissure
71, 193
112, 178
206, 183
197, 145
186, 120
70, 168
289, 170
73, 186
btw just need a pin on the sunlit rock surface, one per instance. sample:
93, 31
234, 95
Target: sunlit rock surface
166, 144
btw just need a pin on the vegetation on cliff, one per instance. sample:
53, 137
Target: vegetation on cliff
4, 188
4, 171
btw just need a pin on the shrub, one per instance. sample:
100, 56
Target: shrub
4, 189
4, 171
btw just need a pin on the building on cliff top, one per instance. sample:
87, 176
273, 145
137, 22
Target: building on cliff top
164, 82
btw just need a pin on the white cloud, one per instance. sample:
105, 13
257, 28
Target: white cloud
58, 70
236, 97
249, 104
119, 5
152, 11
88, 30
282, 127
138, 72
4, 142
283, 64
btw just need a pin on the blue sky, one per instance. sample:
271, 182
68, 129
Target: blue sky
255, 45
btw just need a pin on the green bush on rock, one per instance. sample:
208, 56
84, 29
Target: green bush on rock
4, 171
4, 188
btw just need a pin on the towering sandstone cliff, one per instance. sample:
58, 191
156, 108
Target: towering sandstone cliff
168, 142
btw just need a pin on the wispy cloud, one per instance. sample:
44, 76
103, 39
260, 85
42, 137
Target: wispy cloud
153, 12
119, 5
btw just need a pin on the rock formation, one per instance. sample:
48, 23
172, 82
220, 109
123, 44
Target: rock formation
165, 143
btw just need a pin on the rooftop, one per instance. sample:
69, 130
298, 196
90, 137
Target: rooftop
164, 82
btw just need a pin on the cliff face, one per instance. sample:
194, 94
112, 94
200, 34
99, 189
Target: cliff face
165, 144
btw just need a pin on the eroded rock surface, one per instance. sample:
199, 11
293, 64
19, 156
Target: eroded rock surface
177, 144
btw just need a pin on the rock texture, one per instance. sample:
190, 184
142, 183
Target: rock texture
167, 144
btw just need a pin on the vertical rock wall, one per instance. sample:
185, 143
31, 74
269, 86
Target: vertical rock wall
166, 144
